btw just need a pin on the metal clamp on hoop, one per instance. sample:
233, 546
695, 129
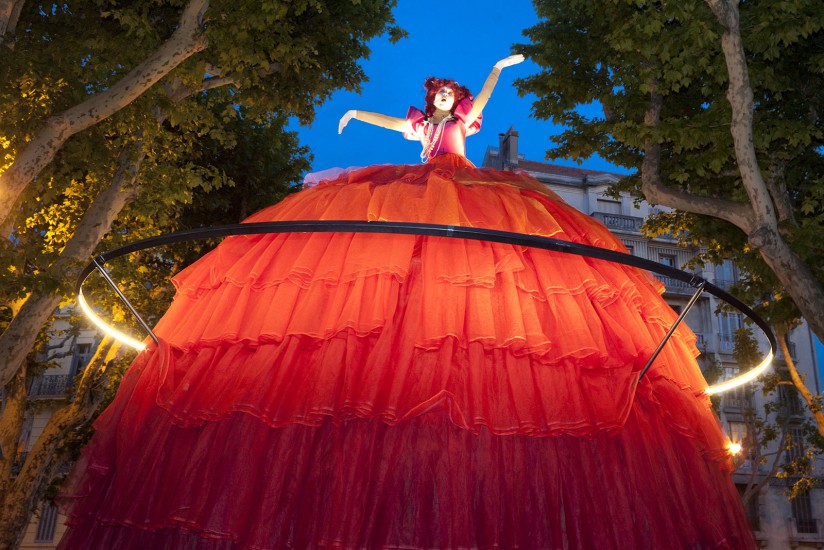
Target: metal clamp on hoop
432, 230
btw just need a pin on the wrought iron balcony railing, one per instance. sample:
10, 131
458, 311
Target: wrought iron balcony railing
50, 385
619, 222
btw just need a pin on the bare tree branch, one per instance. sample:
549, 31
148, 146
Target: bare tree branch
216, 82
812, 403
656, 192
60, 355
9, 15
19, 336
177, 91
740, 96
778, 191
58, 345
753, 488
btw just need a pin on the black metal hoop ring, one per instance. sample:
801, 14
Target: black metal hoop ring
432, 230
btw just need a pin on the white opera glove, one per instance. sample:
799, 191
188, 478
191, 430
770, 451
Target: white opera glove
344, 120
509, 61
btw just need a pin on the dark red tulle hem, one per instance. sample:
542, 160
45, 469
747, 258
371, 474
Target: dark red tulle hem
420, 484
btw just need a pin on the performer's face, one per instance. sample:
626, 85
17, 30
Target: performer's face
444, 99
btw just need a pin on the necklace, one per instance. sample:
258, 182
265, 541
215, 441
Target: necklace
431, 136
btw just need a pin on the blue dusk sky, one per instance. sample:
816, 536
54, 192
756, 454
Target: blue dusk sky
450, 42
818, 349
444, 41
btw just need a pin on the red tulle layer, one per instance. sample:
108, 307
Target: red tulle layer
519, 340
392, 391
424, 483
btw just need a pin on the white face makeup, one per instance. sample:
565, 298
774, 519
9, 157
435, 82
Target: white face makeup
444, 99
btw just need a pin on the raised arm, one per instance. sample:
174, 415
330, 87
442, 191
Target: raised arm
483, 96
384, 121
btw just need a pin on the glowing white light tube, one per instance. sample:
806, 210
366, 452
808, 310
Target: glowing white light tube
748, 376
113, 332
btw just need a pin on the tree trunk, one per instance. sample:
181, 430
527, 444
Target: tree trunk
756, 482
19, 497
184, 42
794, 274
43, 462
9, 15
813, 403
10, 427
757, 218
11, 423
18, 338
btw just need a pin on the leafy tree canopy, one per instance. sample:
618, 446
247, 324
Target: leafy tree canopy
121, 120
621, 53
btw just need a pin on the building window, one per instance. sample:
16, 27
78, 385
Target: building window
737, 399
803, 514
790, 402
80, 358
608, 206
728, 324
726, 274
667, 259
739, 433
795, 445
47, 523
751, 507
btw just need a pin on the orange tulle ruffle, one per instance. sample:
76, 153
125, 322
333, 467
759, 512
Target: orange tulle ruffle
340, 390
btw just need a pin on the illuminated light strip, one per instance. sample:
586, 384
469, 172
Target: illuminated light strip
434, 230
748, 376
111, 331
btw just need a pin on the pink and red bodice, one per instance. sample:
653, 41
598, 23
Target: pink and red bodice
451, 138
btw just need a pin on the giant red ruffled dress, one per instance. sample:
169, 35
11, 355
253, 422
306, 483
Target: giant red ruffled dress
371, 391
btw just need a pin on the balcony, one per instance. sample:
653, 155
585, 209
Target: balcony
619, 222
50, 386
676, 286
737, 400
724, 284
726, 343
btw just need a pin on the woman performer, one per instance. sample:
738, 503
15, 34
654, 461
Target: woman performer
398, 391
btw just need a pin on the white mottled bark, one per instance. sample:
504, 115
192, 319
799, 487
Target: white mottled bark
9, 15
18, 338
184, 42
757, 218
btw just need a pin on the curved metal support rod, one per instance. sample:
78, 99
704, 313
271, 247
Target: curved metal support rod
125, 300
454, 232
699, 289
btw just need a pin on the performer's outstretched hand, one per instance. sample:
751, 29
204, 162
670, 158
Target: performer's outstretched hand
344, 120
509, 61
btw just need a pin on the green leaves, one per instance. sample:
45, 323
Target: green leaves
617, 52
211, 133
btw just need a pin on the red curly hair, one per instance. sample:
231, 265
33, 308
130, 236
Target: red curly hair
432, 85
